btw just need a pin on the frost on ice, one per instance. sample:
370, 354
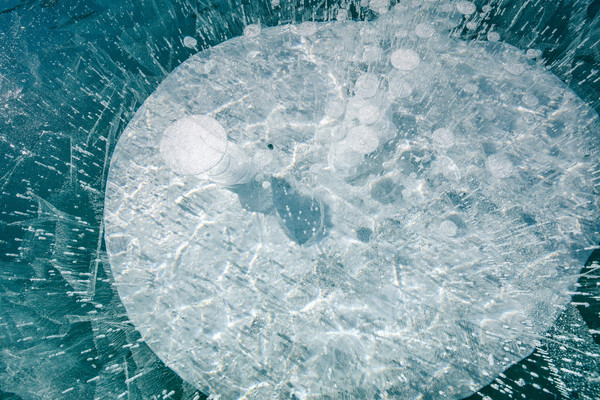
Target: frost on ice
394, 226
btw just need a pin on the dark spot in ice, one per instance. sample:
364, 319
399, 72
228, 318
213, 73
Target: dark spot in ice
364, 234
459, 200
528, 218
587, 284
270, 146
414, 161
386, 191
593, 9
556, 128
74, 19
489, 148
464, 70
406, 123
486, 88
254, 197
11, 9
304, 219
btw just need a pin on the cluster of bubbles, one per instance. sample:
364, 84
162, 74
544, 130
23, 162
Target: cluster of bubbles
447, 180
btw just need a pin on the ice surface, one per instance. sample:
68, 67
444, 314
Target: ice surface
500, 165
427, 278
443, 137
252, 30
72, 75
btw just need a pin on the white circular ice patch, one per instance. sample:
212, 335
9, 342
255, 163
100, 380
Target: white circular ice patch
533, 53
448, 168
405, 59
493, 36
471, 88
380, 6
448, 228
530, 100
372, 53
193, 144
449, 275
190, 42
466, 7
366, 86
515, 68
443, 138
362, 139
424, 30
369, 114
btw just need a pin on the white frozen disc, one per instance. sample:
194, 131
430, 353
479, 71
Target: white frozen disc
438, 242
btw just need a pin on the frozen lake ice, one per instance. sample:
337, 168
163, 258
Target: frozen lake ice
422, 204
73, 75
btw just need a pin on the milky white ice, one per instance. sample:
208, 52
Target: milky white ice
197, 145
405, 59
193, 144
407, 227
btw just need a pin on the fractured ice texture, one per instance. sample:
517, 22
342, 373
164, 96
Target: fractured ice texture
457, 178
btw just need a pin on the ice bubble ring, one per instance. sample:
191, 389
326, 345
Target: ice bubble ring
446, 255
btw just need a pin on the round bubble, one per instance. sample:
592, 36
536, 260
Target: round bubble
193, 144
466, 7
369, 114
366, 86
443, 138
424, 30
493, 36
448, 228
405, 59
362, 139
190, 42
